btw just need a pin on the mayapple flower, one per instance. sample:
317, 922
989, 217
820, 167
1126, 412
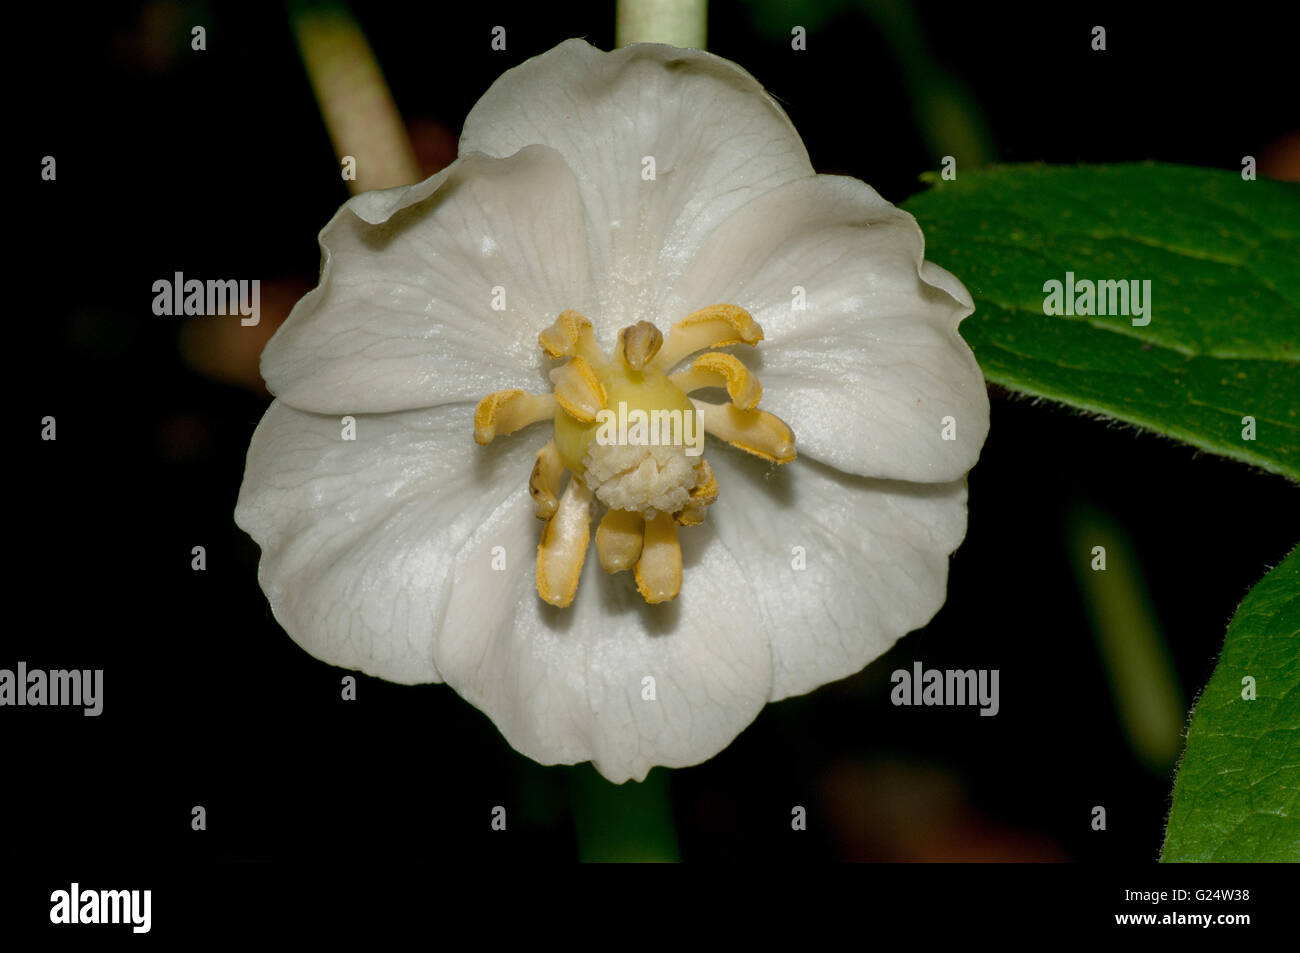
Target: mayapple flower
626, 244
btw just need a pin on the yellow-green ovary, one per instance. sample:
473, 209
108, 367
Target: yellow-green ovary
640, 390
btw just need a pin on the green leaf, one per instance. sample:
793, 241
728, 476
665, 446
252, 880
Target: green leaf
1223, 258
1237, 797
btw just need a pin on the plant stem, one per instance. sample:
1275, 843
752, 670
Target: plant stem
1137, 659
675, 22
623, 822
354, 100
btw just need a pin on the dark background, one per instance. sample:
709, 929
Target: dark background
217, 164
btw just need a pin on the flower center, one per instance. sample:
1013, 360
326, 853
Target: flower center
637, 454
631, 439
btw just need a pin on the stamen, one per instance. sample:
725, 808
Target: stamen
716, 369
702, 497
754, 431
719, 325
706, 491
571, 335
505, 411
659, 570
544, 483
578, 389
618, 539
639, 343
564, 546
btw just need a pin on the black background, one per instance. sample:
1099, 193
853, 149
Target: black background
217, 164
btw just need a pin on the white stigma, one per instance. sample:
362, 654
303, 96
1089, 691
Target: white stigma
645, 479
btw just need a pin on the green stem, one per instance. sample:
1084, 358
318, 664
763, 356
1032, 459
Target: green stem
1138, 662
675, 22
354, 100
948, 116
622, 822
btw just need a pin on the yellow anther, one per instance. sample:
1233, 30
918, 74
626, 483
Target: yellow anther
571, 335
716, 369
719, 325
505, 411
639, 343
564, 546
754, 431
618, 539
690, 515
578, 390
659, 570
706, 490
702, 497
544, 483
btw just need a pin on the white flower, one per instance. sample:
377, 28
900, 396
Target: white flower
409, 551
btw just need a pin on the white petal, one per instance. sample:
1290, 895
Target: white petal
404, 316
566, 685
876, 557
867, 373
716, 139
360, 537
